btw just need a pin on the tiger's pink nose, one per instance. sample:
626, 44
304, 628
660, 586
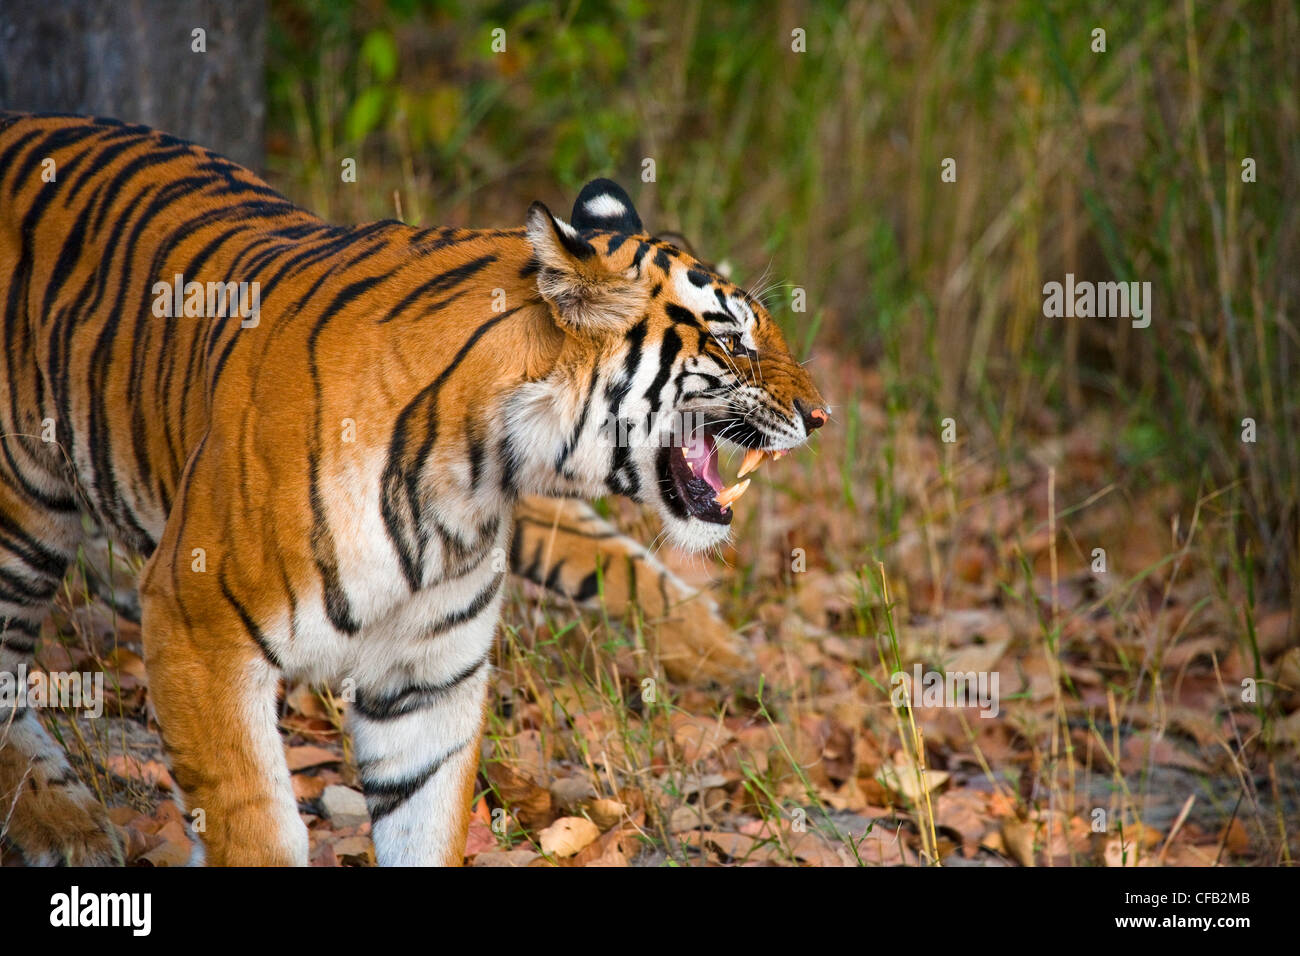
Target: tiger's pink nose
812, 417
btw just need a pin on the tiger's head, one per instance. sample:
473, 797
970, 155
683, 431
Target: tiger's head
664, 363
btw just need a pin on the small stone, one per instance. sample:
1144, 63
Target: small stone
568, 792
505, 858
344, 806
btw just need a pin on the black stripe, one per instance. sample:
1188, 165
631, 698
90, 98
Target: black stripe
407, 452
57, 138
622, 478
477, 451
18, 590
415, 697
337, 605
461, 556
517, 556
588, 588
30, 628
682, 316
668, 351
119, 142
578, 247
641, 249
442, 282
383, 797
615, 392
552, 582
509, 462
108, 489
17, 541
467, 613
572, 442
112, 190
250, 625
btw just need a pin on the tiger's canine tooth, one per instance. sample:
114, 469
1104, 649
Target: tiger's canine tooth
728, 496
753, 458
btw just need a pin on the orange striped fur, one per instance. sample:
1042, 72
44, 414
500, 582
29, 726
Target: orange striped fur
325, 485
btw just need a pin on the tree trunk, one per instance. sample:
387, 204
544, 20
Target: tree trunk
135, 60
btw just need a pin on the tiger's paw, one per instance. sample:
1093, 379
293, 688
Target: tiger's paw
699, 645
63, 826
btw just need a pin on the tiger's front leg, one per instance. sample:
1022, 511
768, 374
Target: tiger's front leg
416, 735
216, 708
214, 691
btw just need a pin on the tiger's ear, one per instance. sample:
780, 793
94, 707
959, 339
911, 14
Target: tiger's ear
603, 204
573, 278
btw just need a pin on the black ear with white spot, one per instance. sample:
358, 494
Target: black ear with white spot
604, 205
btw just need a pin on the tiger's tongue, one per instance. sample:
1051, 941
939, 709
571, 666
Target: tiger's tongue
703, 457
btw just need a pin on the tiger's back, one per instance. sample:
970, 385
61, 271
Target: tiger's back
130, 393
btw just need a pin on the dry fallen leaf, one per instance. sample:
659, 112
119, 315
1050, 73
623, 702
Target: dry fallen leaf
815, 850
729, 846
132, 768
567, 835
903, 778
1018, 838
300, 758
1143, 749
355, 850
168, 854
307, 788
1236, 839
605, 813
967, 813
302, 699
126, 661
174, 831
611, 857
525, 800
480, 838
1121, 852
698, 737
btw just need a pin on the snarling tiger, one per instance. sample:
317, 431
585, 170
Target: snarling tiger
325, 484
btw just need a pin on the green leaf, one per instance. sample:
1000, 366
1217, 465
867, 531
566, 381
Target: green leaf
366, 113
379, 52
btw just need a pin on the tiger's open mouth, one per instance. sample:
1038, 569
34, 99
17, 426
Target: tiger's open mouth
692, 485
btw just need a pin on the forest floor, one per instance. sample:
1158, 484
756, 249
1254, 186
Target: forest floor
1147, 707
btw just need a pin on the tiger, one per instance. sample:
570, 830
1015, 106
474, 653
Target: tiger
321, 462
